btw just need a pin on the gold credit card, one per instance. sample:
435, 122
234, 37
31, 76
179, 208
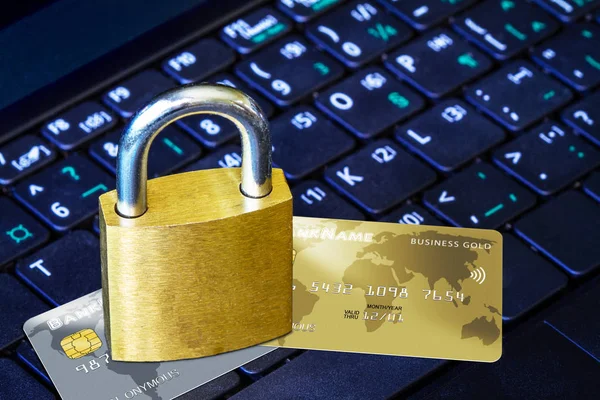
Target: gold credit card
405, 290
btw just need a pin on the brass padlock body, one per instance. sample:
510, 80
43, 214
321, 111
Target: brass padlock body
203, 271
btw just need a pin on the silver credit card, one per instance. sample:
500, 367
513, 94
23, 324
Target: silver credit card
71, 344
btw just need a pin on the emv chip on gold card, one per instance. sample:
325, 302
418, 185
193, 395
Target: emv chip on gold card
81, 343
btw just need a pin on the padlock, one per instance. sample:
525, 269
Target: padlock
196, 264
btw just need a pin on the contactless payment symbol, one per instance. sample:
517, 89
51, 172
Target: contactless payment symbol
81, 343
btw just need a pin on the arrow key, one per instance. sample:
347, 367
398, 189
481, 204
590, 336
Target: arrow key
478, 197
547, 158
379, 176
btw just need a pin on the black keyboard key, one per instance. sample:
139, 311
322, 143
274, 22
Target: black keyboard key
18, 384
23, 156
505, 27
65, 194
303, 11
538, 364
371, 92
331, 375
592, 185
18, 305
423, 14
568, 10
479, 197
214, 130
255, 30
214, 389
230, 80
547, 158
518, 95
573, 56
584, 117
198, 61
522, 267
19, 232
379, 176
358, 32
170, 150
449, 134
135, 92
289, 70
304, 140
314, 199
573, 319
27, 355
438, 62
65, 270
268, 361
412, 215
565, 229
226, 157
79, 125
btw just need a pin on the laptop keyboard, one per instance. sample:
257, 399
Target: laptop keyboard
440, 112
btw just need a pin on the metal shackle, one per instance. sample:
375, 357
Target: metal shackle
225, 101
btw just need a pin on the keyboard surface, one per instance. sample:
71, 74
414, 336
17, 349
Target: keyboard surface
483, 113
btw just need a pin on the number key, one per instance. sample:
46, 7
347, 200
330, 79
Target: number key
214, 130
65, 194
289, 70
78, 125
371, 92
358, 32
379, 176
314, 199
305, 140
170, 150
226, 157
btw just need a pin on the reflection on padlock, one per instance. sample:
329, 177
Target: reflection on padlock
196, 264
